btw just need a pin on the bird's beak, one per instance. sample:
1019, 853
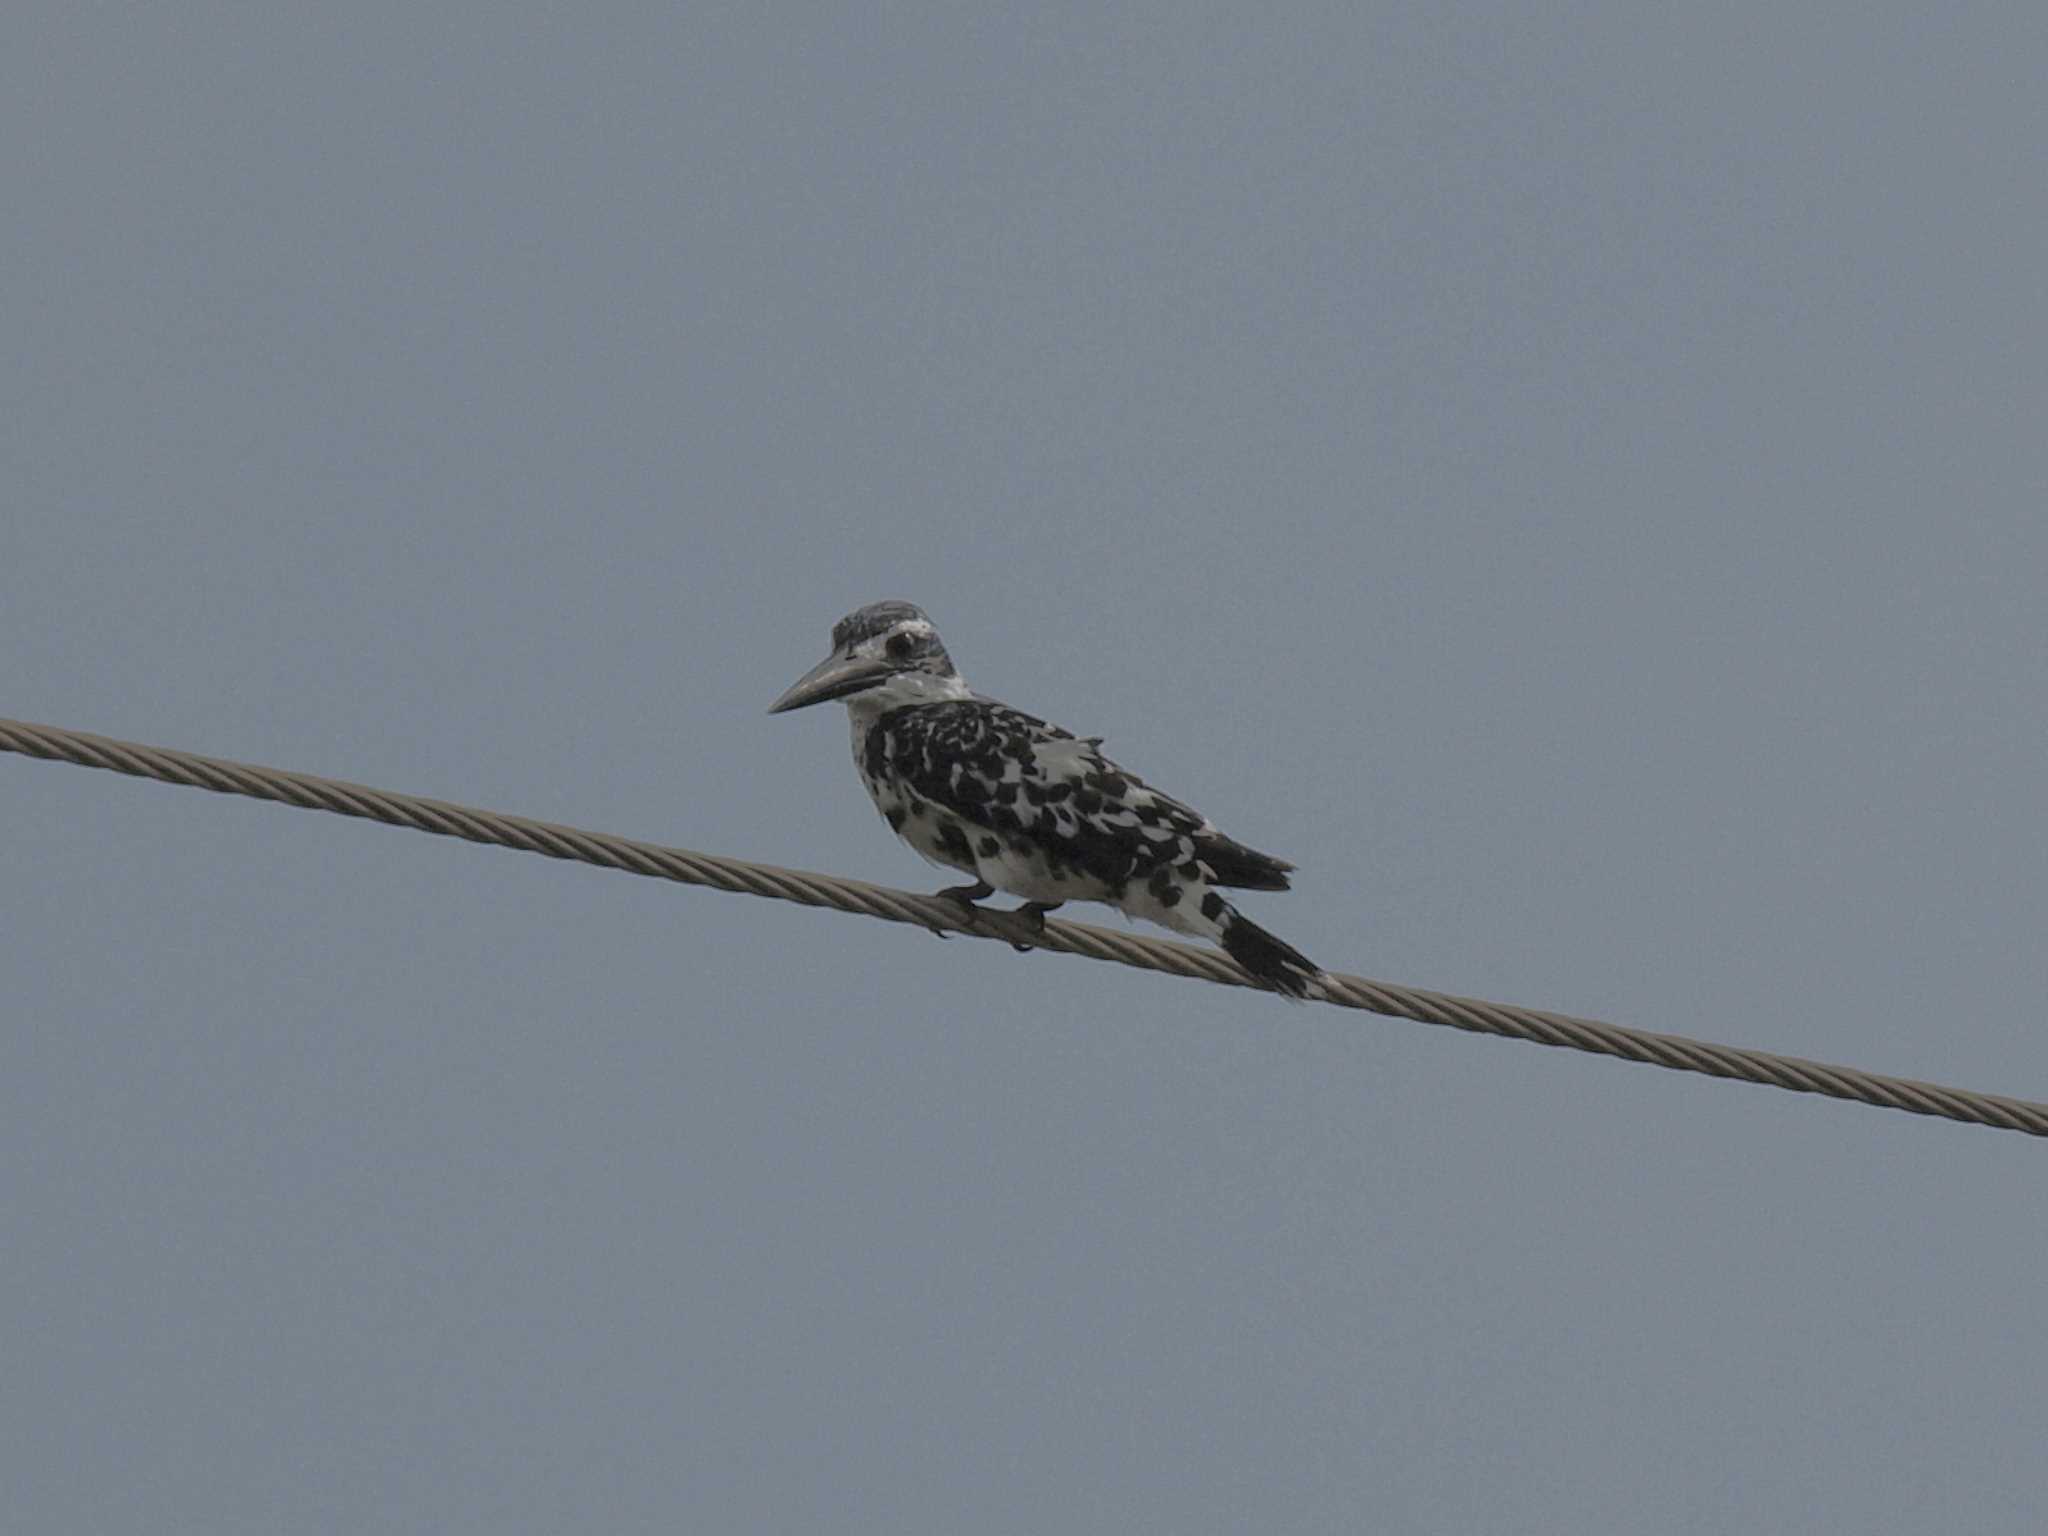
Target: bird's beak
833, 678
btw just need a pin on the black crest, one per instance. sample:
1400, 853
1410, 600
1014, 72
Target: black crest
875, 619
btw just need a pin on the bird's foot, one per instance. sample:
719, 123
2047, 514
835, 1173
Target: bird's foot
1033, 912
967, 896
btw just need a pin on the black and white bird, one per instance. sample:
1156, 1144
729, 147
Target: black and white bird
1027, 808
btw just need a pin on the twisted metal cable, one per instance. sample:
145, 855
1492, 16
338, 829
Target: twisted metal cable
942, 915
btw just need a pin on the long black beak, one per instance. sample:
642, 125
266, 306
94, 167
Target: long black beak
833, 678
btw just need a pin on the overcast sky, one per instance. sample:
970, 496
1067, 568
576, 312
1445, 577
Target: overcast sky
1572, 479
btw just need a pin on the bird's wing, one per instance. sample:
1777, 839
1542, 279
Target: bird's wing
1117, 802
1014, 774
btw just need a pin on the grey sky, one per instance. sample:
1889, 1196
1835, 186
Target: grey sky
1573, 481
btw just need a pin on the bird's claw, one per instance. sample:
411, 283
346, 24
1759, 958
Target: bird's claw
1033, 912
966, 896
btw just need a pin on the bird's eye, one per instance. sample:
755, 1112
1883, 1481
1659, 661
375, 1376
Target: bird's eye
899, 646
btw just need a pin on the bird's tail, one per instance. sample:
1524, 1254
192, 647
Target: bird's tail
1270, 959
1231, 863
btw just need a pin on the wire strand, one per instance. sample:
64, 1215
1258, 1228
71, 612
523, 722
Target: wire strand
941, 915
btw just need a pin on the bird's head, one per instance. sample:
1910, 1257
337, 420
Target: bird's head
884, 656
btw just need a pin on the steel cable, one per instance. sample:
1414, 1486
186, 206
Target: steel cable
1676, 1052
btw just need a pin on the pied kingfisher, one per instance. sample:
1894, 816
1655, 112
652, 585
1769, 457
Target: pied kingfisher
1026, 807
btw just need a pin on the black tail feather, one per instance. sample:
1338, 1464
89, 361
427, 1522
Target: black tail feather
1242, 868
1268, 958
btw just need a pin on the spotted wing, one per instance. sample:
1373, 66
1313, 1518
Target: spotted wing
1014, 775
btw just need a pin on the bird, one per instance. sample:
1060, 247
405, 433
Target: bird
1030, 809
